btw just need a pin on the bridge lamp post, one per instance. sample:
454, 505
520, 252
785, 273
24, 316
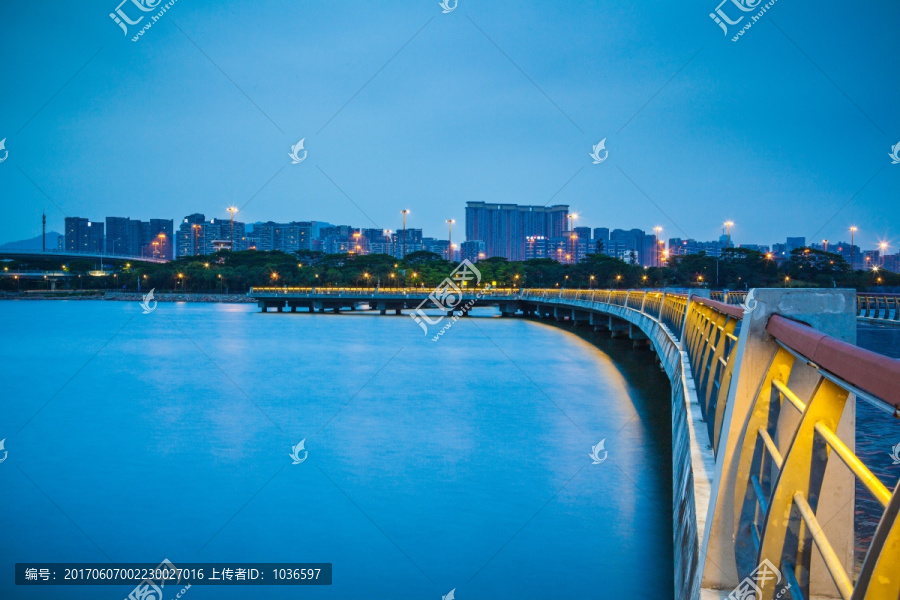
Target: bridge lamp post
853, 230
405, 212
657, 229
232, 210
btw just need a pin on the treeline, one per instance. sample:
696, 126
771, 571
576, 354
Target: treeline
226, 271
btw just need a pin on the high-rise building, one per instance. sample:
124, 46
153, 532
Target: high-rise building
472, 250
197, 236
795, 242
83, 235
504, 228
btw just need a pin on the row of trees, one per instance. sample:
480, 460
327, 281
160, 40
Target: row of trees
226, 271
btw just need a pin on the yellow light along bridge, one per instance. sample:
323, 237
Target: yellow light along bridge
763, 424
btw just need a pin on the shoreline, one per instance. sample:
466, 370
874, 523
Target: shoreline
129, 296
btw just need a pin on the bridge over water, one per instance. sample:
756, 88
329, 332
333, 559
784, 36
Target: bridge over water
763, 423
61, 255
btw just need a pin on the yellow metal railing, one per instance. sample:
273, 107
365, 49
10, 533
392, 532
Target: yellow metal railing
710, 340
777, 494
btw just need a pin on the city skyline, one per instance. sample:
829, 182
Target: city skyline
859, 233
468, 109
514, 232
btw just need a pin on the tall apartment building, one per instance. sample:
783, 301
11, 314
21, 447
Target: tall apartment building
504, 228
84, 235
197, 236
133, 237
286, 237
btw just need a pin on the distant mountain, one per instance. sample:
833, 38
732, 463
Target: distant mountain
32, 244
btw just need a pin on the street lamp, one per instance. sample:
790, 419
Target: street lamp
853, 230
884, 247
405, 212
450, 223
232, 210
728, 226
574, 250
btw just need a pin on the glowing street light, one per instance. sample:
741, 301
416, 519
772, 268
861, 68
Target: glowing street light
853, 230
728, 226
232, 210
405, 212
450, 223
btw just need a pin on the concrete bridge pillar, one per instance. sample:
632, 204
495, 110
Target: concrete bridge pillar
618, 328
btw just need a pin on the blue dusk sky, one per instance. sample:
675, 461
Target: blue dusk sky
786, 131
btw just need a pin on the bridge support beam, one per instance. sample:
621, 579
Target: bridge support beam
618, 328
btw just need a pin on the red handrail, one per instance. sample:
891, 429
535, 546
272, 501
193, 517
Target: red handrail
729, 309
869, 371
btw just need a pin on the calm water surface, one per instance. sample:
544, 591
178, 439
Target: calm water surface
457, 464
876, 435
